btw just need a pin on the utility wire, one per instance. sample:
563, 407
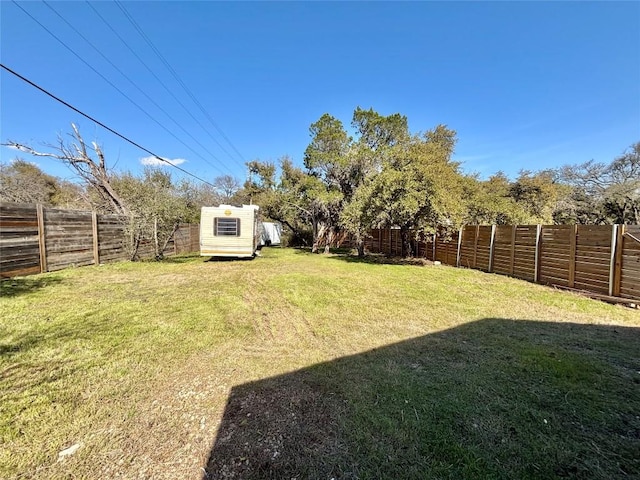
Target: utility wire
167, 89
178, 79
114, 86
46, 92
136, 86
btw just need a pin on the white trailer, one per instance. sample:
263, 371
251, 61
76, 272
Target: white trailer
228, 231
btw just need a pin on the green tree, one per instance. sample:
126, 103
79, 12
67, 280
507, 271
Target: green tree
489, 201
157, 208
417, 188
537, 196
378, 136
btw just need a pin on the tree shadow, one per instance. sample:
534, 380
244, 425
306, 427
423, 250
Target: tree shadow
381, 259
13, 287
495, 398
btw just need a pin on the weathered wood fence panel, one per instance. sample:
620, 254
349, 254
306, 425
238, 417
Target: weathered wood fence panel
555, 254
524, 252
503, 250
629, 276
446, 249
112, 245
68, 239
19, 242
593, 258
35, 239
187, 239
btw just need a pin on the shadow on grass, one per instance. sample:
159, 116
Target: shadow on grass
180, 259
380, 259
12, 287
333, 251
51, 333
495, 398
229, 259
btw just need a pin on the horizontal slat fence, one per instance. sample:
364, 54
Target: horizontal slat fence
627, 276
601, 259
68, 239
187, 239
19, 241
388, 241
34, 239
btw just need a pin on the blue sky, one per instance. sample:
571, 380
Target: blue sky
526, 85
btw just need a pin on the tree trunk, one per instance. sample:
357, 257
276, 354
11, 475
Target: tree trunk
327, 245
314, 247
169, 237
360, 247
405, 235
135, 244
156, 243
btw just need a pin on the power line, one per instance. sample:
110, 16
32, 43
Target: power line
114, 86
167, 89
178, 79
46, 92
136, 86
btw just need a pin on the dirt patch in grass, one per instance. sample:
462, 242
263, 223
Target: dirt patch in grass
273, 429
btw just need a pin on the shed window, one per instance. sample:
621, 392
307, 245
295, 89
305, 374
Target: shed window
224, 226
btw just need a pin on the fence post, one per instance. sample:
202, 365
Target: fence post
617, 272
96, 244
475, 246
572, 256
536, 271
41, 238
612, 261
513, 248
459, 245
435, 247
493, 236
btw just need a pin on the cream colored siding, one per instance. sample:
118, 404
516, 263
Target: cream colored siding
226, 243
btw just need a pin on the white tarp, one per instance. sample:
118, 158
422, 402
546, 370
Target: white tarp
271, 233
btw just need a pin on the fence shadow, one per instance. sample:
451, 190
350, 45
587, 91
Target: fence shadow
13, 287
495, 398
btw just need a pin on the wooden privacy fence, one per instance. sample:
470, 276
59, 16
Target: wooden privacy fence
34, 239
602, 259
432, 247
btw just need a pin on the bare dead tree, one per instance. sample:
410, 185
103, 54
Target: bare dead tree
78, 155
226, 186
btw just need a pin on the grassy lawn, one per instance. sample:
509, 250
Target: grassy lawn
308, 366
